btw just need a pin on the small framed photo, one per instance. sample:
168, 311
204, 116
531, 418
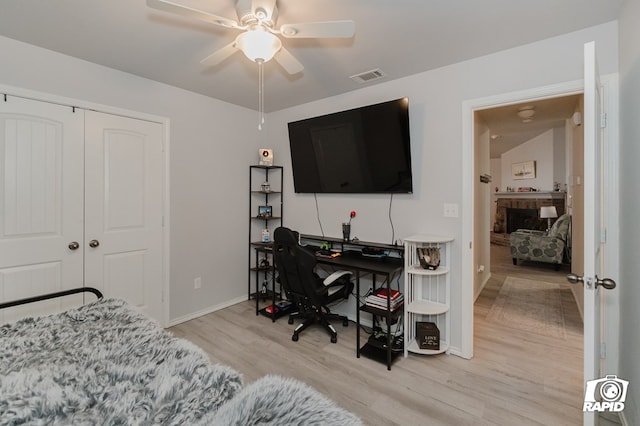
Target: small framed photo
265, 211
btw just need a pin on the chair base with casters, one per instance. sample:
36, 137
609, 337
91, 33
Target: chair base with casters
339, 287
317, 317
304, 287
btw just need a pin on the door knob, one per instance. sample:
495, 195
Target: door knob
94, 243
607, 283
574, 279
74, 245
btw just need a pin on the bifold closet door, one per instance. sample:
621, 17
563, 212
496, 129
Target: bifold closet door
123, 209
41, 203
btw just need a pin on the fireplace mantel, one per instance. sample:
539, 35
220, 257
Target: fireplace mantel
531, 195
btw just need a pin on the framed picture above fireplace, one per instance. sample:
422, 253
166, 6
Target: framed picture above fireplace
523, 170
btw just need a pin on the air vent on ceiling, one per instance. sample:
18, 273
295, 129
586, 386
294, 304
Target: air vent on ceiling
368, 76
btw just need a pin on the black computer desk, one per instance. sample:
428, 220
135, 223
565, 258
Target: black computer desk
353, 260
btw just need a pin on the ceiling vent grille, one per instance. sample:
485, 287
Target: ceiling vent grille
368, 76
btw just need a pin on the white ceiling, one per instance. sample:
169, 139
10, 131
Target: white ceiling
508, 130
401, 37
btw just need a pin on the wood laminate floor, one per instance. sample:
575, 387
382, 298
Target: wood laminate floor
515, 378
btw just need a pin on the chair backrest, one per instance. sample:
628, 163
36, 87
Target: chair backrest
295, 265
560, 228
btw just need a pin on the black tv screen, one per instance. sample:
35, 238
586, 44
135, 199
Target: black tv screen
361, 150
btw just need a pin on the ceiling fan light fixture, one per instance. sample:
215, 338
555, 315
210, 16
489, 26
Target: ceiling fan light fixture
258, 44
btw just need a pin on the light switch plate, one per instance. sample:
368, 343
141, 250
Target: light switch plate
450, 210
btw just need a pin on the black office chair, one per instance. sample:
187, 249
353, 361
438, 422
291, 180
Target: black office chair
304, 287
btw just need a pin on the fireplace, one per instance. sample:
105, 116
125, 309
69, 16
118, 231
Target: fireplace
524, 219
520, 210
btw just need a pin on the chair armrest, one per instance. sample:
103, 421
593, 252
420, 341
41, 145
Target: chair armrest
335, 276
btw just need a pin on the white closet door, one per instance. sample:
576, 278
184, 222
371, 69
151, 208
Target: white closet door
41, 204
123, 209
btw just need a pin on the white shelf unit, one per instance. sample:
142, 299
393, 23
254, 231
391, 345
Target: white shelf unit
427, 292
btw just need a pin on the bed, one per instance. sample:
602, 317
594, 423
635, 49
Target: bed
106, 363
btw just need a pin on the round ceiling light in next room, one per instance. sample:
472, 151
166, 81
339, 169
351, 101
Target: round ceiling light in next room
526, 113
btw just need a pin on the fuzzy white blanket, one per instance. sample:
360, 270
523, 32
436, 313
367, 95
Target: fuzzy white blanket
105, 363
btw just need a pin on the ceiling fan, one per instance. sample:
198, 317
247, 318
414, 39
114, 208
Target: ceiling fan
259, 40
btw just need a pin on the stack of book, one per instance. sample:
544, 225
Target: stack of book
378, 299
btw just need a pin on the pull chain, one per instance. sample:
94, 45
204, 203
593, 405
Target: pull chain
260, 94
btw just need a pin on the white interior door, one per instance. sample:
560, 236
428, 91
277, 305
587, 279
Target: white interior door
593, 222
123, 210
41, 204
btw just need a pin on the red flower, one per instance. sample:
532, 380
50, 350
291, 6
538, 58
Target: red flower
352, 215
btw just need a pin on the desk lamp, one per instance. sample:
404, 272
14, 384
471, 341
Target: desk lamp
548, 212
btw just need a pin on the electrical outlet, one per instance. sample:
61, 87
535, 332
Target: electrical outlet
450, 210
197, 283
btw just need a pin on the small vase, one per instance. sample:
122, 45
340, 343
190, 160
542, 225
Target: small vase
346, 231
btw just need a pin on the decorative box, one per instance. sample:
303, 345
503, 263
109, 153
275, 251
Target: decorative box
427, 335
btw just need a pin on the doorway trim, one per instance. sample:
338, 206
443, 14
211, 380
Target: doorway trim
610, 83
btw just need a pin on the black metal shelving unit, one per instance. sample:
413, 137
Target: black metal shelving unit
265, 189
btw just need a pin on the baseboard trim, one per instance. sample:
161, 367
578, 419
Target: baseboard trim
457, 352
206, 311
482, 286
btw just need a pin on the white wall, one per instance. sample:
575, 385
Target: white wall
481, 208
539, 149
435, 99
211, 148
496, 174
559, 156
630, 206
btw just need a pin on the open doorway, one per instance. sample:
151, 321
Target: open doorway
533, 152
526, 309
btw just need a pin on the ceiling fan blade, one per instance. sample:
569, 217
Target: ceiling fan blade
220, 55
288, 61
179, 9
328, 29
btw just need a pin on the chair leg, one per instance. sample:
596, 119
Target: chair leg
332, 331
308, 321
336, 317
294, 315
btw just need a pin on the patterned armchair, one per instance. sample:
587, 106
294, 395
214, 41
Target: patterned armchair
541, 246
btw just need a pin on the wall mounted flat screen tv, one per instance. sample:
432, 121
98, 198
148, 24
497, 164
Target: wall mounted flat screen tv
361, 150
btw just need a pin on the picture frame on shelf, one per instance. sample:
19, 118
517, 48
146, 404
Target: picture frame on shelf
265, 211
